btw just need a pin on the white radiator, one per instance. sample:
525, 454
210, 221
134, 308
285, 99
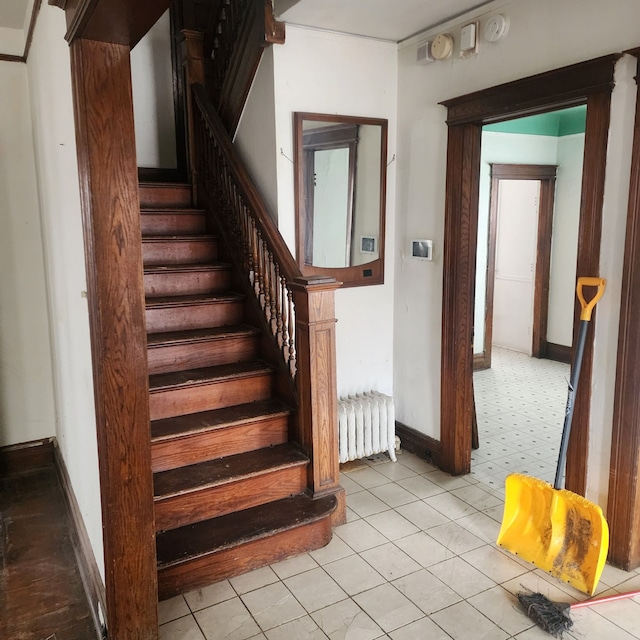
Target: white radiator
367, 425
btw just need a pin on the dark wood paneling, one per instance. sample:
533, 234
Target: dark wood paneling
89, 572
543, 92
558, 352
424, 446
460, 239
26, 455
152, 174
588, 264
623, 512
101, 75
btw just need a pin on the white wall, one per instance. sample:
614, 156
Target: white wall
54, 134
153, 109
564, 245
26, 383
331, 73
544, 35
256, 134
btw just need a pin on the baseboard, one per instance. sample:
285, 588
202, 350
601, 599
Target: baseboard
558, 353
89, 572
480, 361
26, 456
422, 445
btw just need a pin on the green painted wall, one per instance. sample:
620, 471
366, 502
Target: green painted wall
556, 124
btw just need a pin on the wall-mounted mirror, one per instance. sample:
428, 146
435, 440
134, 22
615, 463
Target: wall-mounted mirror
340, 184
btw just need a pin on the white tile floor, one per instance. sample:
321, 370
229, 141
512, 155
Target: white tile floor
416, 559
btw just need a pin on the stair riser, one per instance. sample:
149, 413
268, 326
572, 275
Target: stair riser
202, 354
167, 224
186, 283
219, 443
168, 252
211, 502
194, 574
197, 316
204, 397
159, 196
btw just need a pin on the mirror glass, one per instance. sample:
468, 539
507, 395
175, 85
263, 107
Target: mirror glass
340, 189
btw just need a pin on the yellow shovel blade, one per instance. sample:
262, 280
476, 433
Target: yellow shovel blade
560, 532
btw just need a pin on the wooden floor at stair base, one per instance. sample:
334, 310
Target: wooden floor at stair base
207, 552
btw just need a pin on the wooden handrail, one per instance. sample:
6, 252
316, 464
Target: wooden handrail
269, 231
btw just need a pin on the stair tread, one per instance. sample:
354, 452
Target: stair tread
178, 268
171, 211
200, 335
179, 301
225, 470
203, 538
218, 373
193, 423
179, 238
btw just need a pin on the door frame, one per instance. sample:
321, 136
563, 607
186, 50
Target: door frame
546, 175
587, 83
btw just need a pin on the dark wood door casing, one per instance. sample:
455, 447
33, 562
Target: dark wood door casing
589, 82
545, 174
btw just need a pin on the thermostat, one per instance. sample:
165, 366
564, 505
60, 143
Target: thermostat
422, 249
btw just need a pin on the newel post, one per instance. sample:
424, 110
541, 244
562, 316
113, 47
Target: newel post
193, 57
314, 299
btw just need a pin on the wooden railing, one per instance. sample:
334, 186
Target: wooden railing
298, 311
261, 250
240, 33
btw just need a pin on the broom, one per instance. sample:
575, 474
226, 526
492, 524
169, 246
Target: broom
554, 617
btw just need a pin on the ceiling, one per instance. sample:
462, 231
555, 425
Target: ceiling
13, 13
393, 20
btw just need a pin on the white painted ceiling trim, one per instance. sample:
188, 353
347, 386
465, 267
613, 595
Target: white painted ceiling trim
15, 20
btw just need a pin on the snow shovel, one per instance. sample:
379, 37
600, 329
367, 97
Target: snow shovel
560, 532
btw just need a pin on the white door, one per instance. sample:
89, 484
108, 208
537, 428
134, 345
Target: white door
516, 241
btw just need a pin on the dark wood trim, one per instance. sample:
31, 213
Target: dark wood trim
558, 353
460, 244
588, 264
62, 4
154, 174
480, 361
419, 443
5, 57
623, 512
589, 82
16, 458
564, 87
89, 572
32, 25
546, 175
108, 176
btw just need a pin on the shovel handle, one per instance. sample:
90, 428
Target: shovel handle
587, 307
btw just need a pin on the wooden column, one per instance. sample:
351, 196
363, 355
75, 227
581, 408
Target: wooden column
460, 239
111, 218
314, 299
623, 513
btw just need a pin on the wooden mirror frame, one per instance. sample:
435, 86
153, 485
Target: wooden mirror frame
357, 275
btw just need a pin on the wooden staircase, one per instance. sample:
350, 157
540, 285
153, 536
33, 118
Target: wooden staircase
230, 486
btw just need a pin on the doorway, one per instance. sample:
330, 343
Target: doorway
587, 83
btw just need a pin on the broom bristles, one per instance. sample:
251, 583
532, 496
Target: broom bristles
545, 613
